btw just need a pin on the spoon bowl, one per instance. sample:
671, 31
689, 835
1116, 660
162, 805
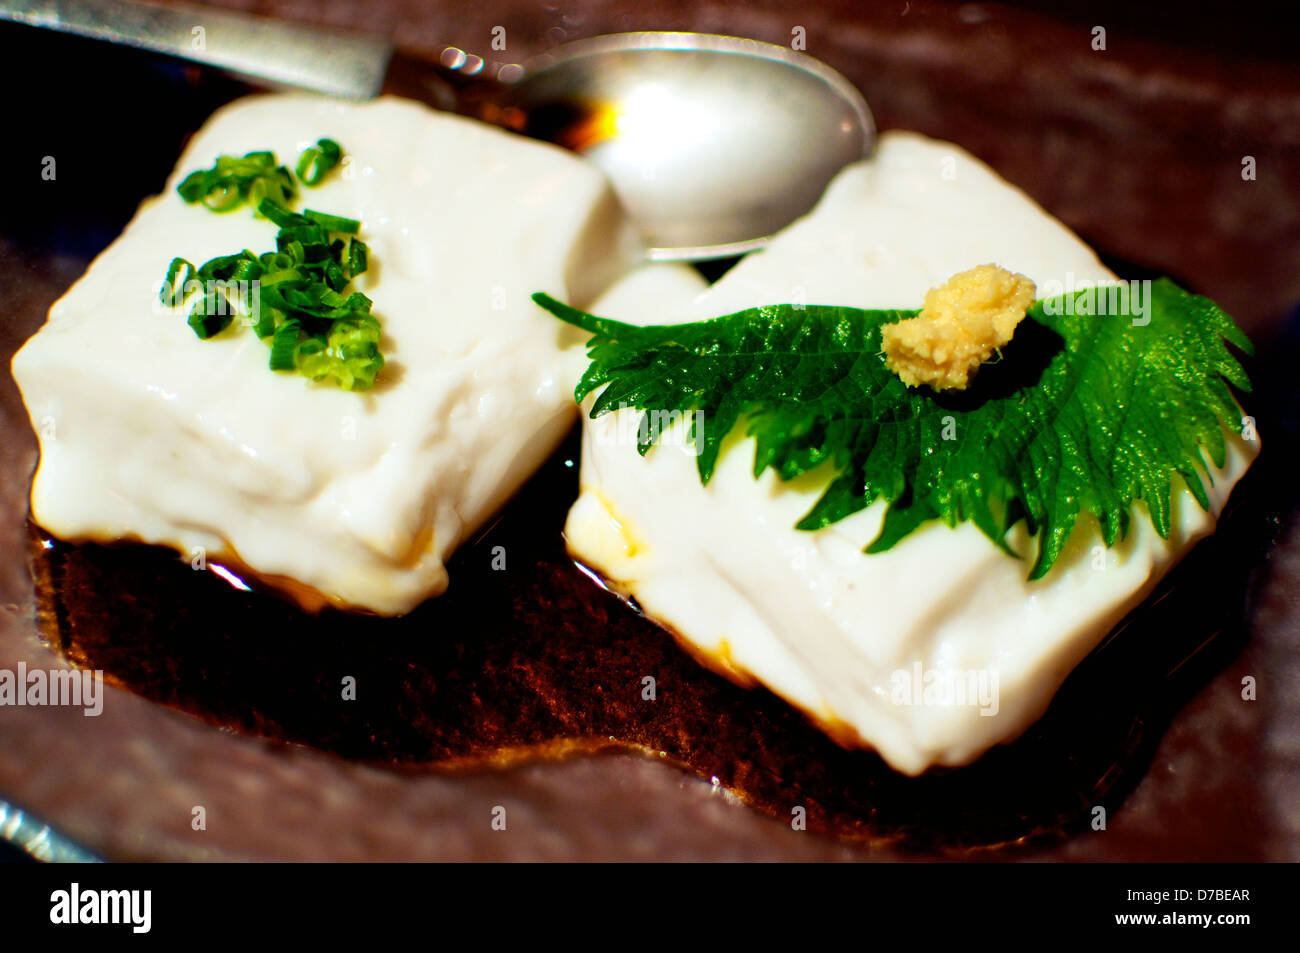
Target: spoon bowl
713, 143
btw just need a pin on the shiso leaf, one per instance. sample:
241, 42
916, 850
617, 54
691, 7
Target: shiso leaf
1085, 413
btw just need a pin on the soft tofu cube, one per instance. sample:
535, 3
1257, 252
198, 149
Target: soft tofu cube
857, 641
351, 498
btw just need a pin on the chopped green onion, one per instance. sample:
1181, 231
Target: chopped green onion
233, 180
272, 278
247, 270
334, 276
315, 163
332, 299
315, 252
277, 213
278, 187
193, 187
267, 319
302, 307
222, 197
173, 291
334, 223
211, 315
241, 267
283, 344
358, 257
349, 355
275, 261
293, 249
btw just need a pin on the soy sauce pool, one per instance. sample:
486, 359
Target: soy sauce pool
525, 657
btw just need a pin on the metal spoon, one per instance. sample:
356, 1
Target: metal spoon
712, 142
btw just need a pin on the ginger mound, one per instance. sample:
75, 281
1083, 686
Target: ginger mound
963, 322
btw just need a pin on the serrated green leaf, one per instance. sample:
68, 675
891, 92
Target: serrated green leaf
1084, 413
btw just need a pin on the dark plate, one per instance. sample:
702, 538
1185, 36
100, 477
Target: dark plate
521, 689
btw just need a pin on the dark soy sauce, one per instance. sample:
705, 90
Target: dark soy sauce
538, 661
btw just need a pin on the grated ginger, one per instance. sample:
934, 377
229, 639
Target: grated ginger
963, 322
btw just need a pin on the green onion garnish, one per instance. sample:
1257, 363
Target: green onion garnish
267, 319
358, 256
232, 181
174, 291
222, 197
275, 261
303, 310
242, 267
284, 344
278, 213
211, 315
315, 163
333, 222
348, 354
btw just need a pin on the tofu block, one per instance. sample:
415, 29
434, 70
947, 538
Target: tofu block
355, 499
939, 648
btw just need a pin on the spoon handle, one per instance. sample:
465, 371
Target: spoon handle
349, 65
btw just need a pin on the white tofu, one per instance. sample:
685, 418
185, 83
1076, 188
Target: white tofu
856, 640
355, 499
